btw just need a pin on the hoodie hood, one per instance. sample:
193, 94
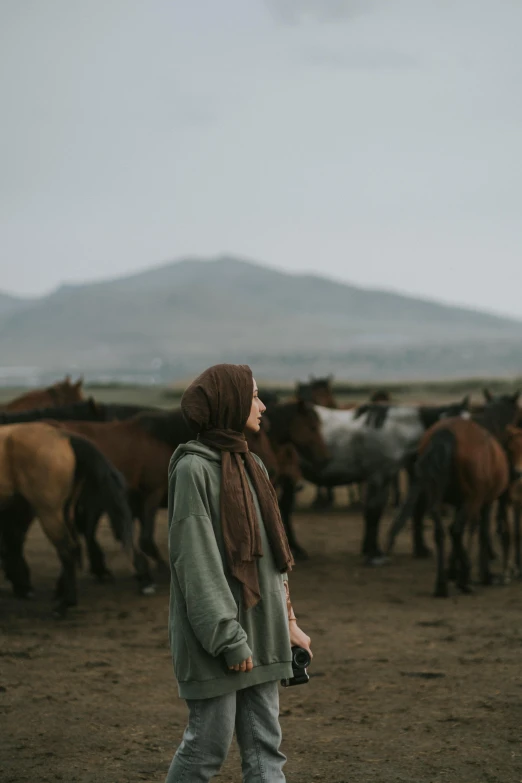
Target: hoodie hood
196, 448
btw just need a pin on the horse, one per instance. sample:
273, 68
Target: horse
259, 443
364, 453
512, 498
462, 463
319, 391
43, 472
295, 424
60, 393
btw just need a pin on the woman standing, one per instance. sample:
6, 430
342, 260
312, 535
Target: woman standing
231, 622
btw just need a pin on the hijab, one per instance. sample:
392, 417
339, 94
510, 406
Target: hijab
216, 406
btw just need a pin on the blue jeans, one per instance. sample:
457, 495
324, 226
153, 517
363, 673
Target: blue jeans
254, 714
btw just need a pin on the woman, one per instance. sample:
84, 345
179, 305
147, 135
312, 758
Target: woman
231, 622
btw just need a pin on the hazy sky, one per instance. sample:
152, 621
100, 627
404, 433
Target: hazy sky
378, 141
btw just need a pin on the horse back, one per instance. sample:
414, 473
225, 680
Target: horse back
37, 462
141, 458
480, 464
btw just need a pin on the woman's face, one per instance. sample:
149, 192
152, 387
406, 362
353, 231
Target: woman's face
256, 411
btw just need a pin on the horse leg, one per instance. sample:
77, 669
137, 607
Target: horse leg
140, 562
87, 522
375, 503
324, 497
461, 562
504, 534
286, 507
441, 584
486, 577
57, 531
420, 549
141, 567
516, 522
12, 537
147, 518
396, 491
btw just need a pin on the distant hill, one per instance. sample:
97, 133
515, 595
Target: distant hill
171, 321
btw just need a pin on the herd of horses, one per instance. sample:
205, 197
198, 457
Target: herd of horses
67, 460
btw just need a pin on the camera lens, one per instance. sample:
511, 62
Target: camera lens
301, 658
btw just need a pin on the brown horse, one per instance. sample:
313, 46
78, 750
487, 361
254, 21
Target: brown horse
318, 391
259, 443
60, 393
43, 472
511, 499
295, 424
462, 463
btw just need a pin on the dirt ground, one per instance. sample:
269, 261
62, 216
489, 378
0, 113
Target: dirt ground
405, 687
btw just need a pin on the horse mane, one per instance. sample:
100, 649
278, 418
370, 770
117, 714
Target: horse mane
377, 414
88, 410
122, 411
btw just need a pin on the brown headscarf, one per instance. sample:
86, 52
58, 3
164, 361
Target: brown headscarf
216, 406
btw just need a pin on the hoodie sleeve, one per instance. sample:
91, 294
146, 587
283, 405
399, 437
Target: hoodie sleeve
196, 562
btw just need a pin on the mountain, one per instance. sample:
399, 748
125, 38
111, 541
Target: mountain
9, 304
171, 321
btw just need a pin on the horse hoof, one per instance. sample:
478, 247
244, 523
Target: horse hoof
162, 568
376, 561
422, 553
104, 576
441, 591
23, 594
494, 580
148, 590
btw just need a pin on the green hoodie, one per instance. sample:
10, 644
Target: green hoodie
209, 628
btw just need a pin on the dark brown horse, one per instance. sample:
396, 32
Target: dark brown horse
318, 391
295, 424
43, 472
61, 393
259, 443
511, 500
462, 463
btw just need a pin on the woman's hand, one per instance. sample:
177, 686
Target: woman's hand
244, 666
298, 638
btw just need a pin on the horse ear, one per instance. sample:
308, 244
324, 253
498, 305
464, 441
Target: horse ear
487, 395
466, 402
79, 382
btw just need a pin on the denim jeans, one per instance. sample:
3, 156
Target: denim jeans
254, 715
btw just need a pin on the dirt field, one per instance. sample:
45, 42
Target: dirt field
406, 688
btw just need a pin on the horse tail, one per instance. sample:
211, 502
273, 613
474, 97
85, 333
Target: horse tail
104, 486
432, 476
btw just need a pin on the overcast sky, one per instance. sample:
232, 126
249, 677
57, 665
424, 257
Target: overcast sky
377, 141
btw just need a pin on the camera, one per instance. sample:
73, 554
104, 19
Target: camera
300, 660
